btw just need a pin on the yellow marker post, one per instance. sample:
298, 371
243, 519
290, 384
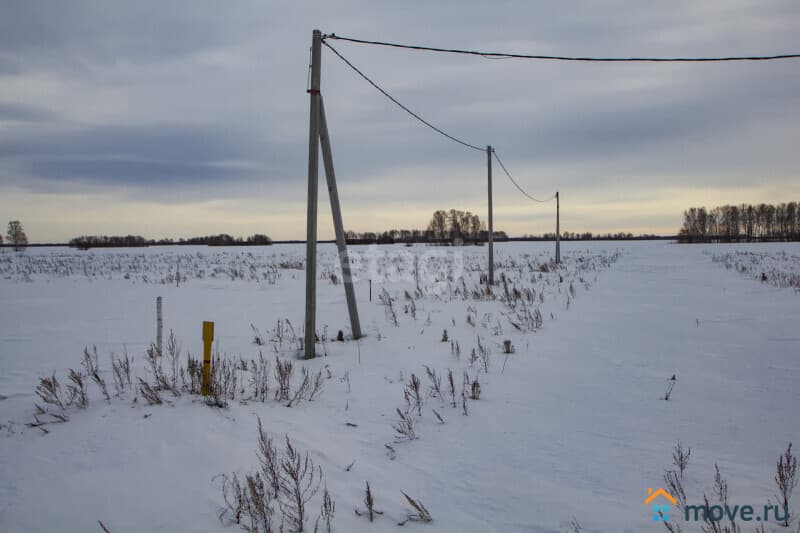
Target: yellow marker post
208, 338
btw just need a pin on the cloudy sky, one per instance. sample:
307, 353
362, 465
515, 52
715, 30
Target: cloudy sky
191, 117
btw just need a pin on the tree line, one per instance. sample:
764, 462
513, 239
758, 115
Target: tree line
453, 227
589, 236
742, 223
223, 239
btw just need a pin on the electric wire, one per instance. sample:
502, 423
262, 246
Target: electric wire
517, 185
509, 55
438, 130
400, 105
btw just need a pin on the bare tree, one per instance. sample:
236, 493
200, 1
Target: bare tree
438, 225
731, 223
16, 235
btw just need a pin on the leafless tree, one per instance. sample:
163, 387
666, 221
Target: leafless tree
16, 235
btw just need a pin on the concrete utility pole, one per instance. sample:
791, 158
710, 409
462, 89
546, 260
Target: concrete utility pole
491, 220
318, 134
558, 230
336, 210
311, 218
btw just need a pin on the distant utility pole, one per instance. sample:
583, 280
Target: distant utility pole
491, 219
558, 230
318, 131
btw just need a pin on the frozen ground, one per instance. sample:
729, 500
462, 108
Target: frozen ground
570, 425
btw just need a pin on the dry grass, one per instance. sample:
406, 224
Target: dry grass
49, 390
283, 486
786, 479
680, 458
369, 502
420, 512
405, 427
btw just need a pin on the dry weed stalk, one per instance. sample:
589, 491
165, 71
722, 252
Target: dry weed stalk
285, 483
301, 390
668, 394
39, 424
680, 457
720, 486
786, 480
300, 481
173, 358
485, 355
121, 369
405, 427
435, 389
247, 502
101, 384
76, 390
89, 362
420, 514
413, 392
327, 510
316, 387
369, 502
259, 378
475, 389
153, 361
674, 485
283, 373
452, 387
149, 393
49, 390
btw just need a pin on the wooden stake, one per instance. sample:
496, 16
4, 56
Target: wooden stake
208, 338
159, 327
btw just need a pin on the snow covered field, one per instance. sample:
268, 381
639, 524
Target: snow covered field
570, 426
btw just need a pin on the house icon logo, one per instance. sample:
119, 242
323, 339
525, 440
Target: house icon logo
660, 509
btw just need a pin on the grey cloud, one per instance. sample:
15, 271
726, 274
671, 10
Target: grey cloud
154, 141
109, 30
580, 121
11, 111
138, 159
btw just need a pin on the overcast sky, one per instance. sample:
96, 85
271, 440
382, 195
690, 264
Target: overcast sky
183, 118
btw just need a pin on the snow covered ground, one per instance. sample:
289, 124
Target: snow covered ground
570, 426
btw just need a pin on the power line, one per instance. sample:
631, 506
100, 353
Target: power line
517, 184
438, 130
404, 108
506, 55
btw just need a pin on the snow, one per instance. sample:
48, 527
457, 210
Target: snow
572, 424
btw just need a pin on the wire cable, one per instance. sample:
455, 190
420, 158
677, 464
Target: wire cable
438, 130
507, 55
404, 108
517, 184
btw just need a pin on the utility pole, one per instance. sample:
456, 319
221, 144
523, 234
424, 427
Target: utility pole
311, 213
336, 211
491, 220
318, 134
558, 230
